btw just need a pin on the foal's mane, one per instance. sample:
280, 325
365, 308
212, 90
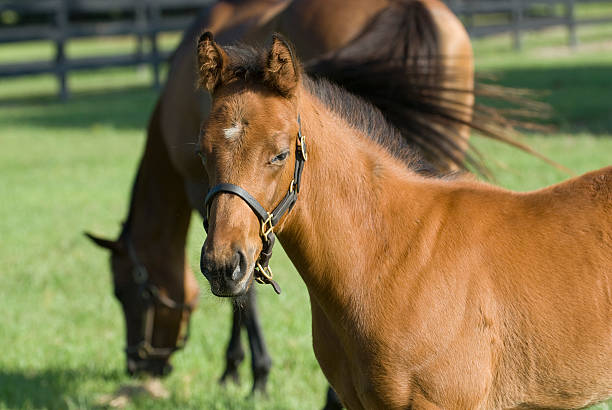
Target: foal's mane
365, 117
247, 63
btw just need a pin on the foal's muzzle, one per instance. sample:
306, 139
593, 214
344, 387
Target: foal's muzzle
228, 277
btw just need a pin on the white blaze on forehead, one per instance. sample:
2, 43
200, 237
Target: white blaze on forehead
233, 132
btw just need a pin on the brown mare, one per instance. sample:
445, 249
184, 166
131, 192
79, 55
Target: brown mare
426, 293
152, 278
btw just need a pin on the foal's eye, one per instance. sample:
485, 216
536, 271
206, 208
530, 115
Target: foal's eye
280, 158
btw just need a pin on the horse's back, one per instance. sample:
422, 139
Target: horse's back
594, 186
582, 206
557, 287
539, 266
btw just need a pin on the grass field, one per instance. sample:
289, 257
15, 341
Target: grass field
66, 168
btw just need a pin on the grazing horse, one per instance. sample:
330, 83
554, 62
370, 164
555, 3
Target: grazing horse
426, 293
418, 60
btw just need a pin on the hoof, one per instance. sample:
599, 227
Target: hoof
230, 375
259, 386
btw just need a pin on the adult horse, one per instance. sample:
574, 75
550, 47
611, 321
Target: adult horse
418, 60
426, 293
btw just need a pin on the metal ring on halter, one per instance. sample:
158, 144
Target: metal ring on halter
266, 226
266, 272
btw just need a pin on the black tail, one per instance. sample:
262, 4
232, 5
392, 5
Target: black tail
396, 64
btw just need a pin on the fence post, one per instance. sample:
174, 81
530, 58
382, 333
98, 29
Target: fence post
140, 14
571, 23
469, 19
61, 22
154, 22
517, 19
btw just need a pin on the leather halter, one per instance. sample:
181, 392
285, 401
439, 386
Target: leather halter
150, 295
267, 220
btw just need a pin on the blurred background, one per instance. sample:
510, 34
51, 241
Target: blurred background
78, 82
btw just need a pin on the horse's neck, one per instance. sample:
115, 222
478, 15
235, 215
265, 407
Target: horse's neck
160, 212
341, 231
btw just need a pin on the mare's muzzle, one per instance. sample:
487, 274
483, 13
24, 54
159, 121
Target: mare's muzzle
142, 356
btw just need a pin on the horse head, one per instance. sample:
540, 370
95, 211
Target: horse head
156, 316
249, 149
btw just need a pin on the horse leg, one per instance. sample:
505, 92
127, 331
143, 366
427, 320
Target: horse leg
235, 353
260, 359
333, 401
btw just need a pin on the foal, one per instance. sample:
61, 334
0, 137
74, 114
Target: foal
425, 293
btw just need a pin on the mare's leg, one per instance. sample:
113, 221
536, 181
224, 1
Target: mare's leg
235, 353
333, 401
260, 359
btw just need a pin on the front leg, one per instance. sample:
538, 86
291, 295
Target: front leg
235, 353
333, 401
260, 359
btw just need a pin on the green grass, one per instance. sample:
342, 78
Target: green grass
66, 168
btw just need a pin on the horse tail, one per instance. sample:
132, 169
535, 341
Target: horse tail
396, 64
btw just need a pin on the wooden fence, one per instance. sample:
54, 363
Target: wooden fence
62, 20
488, 17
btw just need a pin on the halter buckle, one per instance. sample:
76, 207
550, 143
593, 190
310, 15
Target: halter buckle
266, 226
301, 145
265, 272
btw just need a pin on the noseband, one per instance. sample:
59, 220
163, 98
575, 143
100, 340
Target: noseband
150, 296
267, 220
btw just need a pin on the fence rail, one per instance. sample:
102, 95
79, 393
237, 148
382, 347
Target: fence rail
519, 16
60, 21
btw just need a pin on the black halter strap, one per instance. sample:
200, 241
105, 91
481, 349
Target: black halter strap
267, 220
151, 297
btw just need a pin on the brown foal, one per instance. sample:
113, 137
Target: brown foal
339, 37
426, 293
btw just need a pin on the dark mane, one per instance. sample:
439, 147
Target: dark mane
245, 62
368, 119
397, 66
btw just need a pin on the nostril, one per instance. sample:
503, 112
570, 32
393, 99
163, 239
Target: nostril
237, 263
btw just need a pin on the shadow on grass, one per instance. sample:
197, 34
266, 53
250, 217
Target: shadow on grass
63, 388
126, 108
49, 388
580, 96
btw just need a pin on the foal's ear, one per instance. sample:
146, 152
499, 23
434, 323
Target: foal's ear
211, 62
113, 246
282, 70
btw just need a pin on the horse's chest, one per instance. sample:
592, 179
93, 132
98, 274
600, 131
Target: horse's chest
362, 376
